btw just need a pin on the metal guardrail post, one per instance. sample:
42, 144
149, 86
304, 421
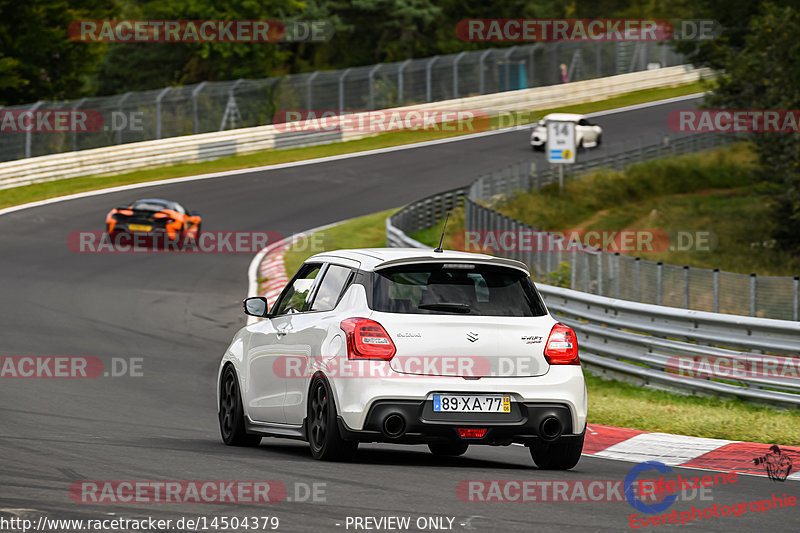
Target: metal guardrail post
716, 290
428, 81
309, 82
400, 68
559, 248
506, 59
371, 81
796, 306
555, 72
659, 282
195, 118
482, 74
574, 271
574, 64
28, 133
548, 262
341, 88
75, 133
616, 274
637, 283
531, 55
753, 294
586, 284
455, 73
160, 97
600, 273
119, 108
685, 286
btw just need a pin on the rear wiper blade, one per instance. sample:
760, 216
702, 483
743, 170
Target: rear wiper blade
453, 308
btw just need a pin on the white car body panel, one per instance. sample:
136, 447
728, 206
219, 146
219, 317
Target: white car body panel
273, 400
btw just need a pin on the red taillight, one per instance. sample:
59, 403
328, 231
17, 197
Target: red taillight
126, 212
562, 346
366, 339
471, 433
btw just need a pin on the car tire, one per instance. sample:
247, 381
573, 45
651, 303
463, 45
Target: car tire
231, 412
322, 426
449, 449
559, 455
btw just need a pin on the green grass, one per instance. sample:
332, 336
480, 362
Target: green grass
363, 232
610, 402
625, 405
41, 191
709, 193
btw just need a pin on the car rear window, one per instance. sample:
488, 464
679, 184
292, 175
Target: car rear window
455, 288
150, 205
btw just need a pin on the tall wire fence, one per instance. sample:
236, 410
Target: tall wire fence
216, 106
553, 259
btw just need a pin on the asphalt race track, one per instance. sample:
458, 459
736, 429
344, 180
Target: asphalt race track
177, 312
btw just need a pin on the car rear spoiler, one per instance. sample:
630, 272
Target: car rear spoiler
485, 259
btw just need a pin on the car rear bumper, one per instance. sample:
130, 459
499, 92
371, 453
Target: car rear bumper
562, 385
154, 232
414, 422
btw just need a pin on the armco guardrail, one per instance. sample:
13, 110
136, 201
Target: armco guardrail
633, 340
193, 148
644, 342
639, 342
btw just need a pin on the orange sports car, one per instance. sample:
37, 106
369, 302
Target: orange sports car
153, 216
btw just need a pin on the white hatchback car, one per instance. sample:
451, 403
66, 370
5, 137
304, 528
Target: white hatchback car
407, 346
587, 135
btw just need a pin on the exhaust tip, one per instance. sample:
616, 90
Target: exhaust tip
394, 425
550, 428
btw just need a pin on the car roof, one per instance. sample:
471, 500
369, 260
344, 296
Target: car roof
571, 117
371, 259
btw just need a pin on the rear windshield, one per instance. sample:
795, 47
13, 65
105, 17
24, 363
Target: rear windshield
150, 205
453, 289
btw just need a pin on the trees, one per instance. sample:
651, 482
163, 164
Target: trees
140, 66
758, 70
37, 58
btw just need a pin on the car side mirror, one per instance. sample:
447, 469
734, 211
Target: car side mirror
256, 306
